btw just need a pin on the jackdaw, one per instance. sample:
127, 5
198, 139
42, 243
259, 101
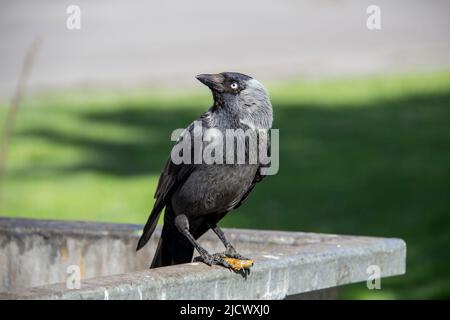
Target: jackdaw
197, 196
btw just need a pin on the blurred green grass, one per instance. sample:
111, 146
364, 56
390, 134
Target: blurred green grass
360, 156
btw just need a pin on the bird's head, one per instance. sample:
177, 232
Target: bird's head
243, 95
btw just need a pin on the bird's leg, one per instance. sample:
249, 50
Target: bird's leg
182, 224
230, 250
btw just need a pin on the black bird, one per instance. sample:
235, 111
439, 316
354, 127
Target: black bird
197, 196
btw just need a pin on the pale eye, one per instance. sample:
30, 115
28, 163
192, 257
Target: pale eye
234, 86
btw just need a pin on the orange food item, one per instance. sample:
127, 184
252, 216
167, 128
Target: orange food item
238, 264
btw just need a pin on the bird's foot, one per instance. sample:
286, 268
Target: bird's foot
213, 259
232, 261
232, 253
240, 265
235, 255
238, 262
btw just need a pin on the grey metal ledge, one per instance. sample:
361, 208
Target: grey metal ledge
35, 254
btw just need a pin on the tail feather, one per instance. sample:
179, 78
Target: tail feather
173, 248
149, 227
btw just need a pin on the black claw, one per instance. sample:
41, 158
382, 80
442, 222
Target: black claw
244, 272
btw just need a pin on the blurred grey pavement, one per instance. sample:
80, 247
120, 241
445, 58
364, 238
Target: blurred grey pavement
145, 43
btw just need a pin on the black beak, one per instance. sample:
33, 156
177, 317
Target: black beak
212, 81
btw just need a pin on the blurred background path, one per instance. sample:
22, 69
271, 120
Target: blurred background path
140, 42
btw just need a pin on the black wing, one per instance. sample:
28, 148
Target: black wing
172, 176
